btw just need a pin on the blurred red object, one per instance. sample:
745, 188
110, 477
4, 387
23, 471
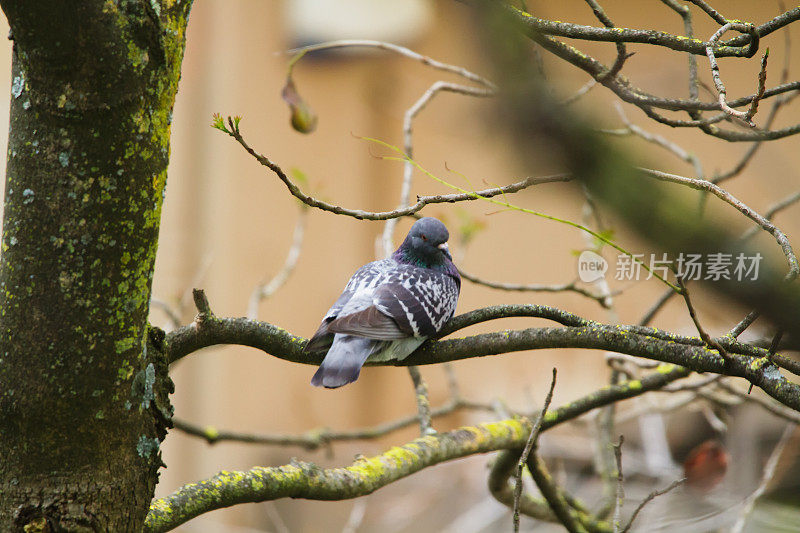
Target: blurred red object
705, 466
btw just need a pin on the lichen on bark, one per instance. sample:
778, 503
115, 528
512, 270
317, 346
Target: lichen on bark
93, 89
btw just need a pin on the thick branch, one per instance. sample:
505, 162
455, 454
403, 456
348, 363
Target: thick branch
745, 361
306, 480
303, 480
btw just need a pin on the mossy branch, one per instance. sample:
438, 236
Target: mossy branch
745, 361
305, 480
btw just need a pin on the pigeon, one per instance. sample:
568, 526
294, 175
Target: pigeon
389, 307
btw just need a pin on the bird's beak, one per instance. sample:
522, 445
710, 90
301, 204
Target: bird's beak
443, 247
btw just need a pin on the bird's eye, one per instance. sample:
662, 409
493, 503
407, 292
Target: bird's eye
424, 238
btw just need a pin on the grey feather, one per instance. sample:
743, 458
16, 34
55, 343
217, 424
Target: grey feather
388, 307
344, 360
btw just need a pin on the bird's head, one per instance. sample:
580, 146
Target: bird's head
426, 243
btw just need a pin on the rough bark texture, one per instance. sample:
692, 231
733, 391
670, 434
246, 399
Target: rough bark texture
745, 361
366, 475
83, 403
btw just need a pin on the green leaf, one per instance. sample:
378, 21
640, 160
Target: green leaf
218, 123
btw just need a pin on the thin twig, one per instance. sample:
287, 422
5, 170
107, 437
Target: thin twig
772, 211
745, 116
172, 314
662, 142
529, 444
585, 88
656, 307
537, 287
356, 516
695, 385
686, 15
266, 290
620, 486
276, 518
776, 409
636, 361
423, 402
425, 60
762, 86
776, 341
408, 145
712, 343
590, 213
232, 129
745, 323
316, 438
604, 456
710, 11
650, 497
766, 477
558, 502
202, 305
622, 53
722, 194
776, 106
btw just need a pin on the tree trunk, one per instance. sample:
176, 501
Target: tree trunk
83, 384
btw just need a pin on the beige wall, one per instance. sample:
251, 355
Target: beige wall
228, 222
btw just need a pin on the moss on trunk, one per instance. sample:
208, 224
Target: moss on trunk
83, 406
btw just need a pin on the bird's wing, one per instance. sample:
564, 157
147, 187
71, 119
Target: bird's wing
421, 303
415, 304
361, 286
323, 338
363, 316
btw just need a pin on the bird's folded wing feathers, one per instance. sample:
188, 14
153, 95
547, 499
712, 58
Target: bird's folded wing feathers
398, 310
407, 307
389, 305
370, 323
323, 338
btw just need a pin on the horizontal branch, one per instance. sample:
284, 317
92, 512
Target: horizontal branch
316, 438
602, 299
305, 480
678, 43
745, 361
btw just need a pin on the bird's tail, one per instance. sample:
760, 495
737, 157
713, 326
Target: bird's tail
344, 360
